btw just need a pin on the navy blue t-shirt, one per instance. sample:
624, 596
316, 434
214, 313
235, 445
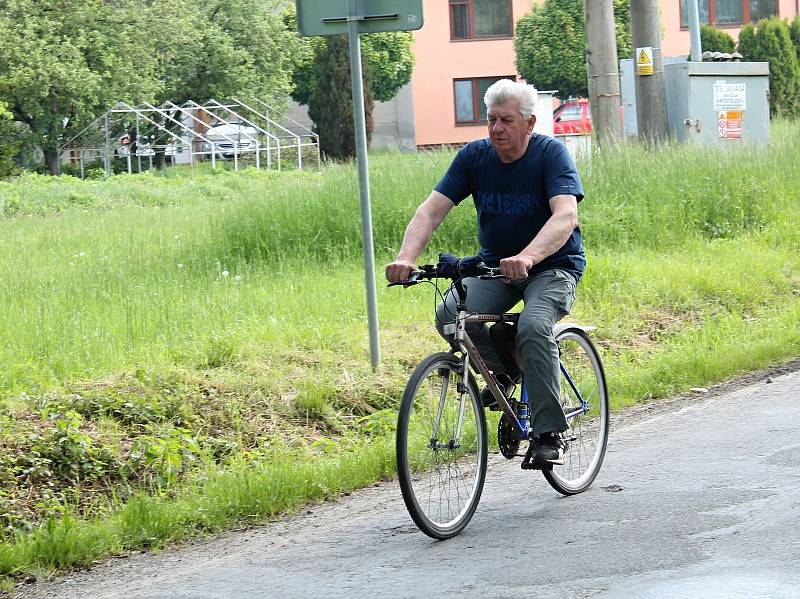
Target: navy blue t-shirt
512, 199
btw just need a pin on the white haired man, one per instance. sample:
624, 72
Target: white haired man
526, 192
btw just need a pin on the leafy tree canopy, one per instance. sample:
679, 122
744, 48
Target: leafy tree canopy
550, 44
213, 49
64, 62
387, 55
8, 147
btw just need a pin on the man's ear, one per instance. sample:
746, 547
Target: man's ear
531, 123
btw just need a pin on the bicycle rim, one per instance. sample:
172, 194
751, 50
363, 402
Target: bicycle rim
441, 475
587, 435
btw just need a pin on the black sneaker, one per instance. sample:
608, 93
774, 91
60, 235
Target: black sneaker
506, 384
549, 448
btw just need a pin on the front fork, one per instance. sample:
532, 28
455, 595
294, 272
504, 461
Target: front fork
461, 388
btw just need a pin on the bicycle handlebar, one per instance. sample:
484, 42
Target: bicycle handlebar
450, 267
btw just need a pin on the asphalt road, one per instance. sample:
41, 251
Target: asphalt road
698, 497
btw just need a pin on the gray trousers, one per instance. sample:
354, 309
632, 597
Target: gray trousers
548, 297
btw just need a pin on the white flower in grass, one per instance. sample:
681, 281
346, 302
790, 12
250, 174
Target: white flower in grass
237, 278
225, 273
180, 265
82, 254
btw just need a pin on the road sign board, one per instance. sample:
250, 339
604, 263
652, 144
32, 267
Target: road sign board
329, 17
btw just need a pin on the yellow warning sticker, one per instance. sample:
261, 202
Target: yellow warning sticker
644, 61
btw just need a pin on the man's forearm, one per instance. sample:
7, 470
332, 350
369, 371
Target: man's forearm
553, 235
418, 233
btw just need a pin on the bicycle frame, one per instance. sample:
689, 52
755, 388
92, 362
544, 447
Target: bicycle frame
472, 356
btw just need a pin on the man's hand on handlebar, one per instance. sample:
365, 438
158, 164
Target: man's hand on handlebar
516, 267
399, 271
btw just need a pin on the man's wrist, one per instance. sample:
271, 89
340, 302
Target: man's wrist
406, 259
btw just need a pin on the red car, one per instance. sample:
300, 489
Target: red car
573, 117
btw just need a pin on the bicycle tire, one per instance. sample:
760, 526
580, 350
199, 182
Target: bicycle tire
588, 432
441, 481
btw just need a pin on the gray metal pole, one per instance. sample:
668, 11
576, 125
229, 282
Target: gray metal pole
651, 105
363, 180
694, 30
108, 146
603, 69
138, 142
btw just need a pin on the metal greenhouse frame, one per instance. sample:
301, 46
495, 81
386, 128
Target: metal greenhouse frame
191, 133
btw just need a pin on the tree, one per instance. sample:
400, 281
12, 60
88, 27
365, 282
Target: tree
62, 62
387, 55
65, 62
330, 105
715, 40
550, 44
214, 49
323, 68
794, 34
8, 144
769, 41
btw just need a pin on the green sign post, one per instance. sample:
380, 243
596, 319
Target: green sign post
333, 17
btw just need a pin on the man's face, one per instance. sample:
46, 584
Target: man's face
509, 130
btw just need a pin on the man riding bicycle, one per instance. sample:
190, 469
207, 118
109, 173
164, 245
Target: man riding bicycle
526, 192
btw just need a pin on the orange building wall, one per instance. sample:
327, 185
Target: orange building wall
439, 61
676, 41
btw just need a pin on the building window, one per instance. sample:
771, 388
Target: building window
730, 12
469, 93
471, 19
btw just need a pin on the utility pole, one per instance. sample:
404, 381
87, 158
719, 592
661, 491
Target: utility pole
603, 69
651, 104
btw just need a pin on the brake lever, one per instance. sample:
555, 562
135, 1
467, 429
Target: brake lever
493, 274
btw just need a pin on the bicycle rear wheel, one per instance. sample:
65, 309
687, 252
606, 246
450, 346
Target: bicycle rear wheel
587, 436
441, 472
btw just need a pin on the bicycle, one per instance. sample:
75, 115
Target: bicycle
442, 441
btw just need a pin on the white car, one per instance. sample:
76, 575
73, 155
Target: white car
231, 138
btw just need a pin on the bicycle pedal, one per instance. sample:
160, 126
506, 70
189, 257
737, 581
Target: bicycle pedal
530, 465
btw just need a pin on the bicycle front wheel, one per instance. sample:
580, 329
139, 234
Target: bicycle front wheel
441, 446
584, 399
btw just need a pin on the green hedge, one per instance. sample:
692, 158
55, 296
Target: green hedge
715, 40
769, 40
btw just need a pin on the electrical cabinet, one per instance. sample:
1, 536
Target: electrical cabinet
718, 102
707, 102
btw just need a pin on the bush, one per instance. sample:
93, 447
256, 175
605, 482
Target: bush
715, 40
769, 41
794, 34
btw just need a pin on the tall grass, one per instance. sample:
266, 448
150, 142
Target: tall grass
192, 270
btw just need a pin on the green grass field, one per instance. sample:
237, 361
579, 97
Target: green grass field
184, 354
